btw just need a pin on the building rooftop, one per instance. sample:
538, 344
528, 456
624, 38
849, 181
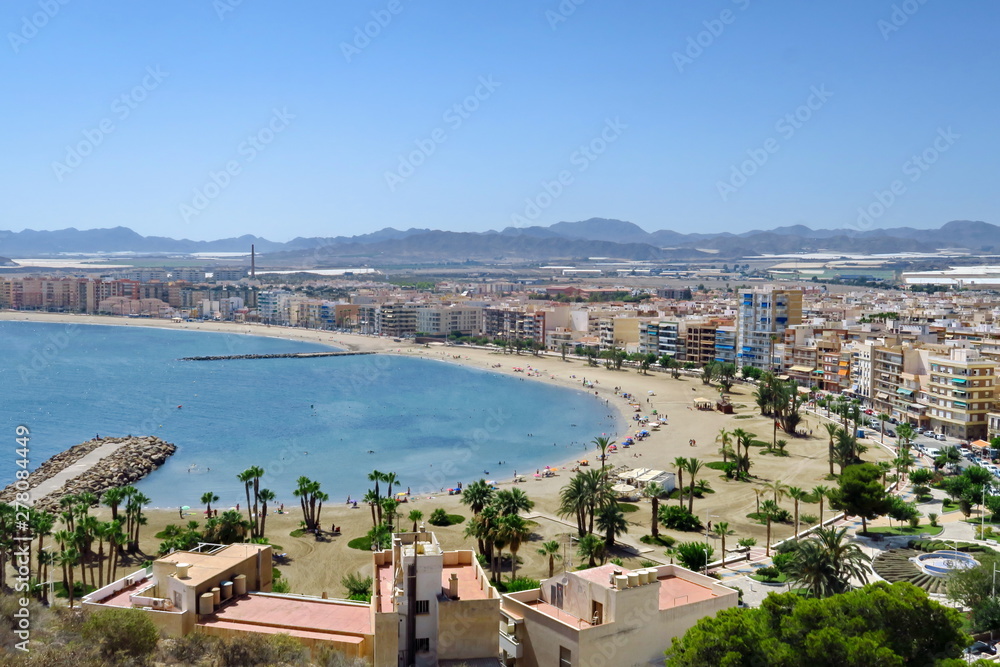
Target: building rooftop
121, 598
299, 616
204, 566
469, 588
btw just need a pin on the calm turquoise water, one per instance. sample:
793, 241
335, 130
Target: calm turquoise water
433, 423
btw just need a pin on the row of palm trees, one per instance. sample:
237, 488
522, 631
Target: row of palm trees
497, 524
97, 547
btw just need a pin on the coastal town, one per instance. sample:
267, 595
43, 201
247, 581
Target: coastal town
903, 380
510, 334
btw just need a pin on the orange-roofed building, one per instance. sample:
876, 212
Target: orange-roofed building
606, 615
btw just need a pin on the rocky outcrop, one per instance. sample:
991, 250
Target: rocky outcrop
135, 458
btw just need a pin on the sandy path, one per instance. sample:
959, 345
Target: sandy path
310, 572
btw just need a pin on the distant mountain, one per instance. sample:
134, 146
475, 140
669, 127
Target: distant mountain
586, 238
30, 242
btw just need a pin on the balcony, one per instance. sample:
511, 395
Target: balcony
510, 645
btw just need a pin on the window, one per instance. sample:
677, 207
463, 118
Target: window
565, 657
423, 606
423, 644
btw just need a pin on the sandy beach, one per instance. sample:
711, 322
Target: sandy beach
317, 565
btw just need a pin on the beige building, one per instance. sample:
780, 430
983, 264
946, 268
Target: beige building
432, 606
428, 607
606, 615
960, 393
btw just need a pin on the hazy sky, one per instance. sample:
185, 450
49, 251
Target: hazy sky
212, 118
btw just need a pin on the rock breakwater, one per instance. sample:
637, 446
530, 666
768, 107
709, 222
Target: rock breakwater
287, 355
132, 459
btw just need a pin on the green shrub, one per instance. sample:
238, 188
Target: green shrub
783, 560
678, 518
252, 648
191, 649
660, 540
522, 584
769, 573
121, 634
808, 519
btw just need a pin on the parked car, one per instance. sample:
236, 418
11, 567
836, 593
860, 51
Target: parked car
940, 436
889, 432
978, 648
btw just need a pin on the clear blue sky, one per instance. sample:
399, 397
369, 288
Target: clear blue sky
686, 124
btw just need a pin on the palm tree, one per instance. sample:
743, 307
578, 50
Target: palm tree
376, 476
611, 521
825, 563
653, 491
769, 509
551, 549
680, 463
882, 418
796, 494
819, 493
477, 495
251, 478
573, 501
512, 501
371, 500
266, 496
726, 439
67, 558
116, 538
831, 430
590, 547
778, 488
415, 516
693, 467
228, 528
514, 530
721, 530
904, 434
757, 492
41, 525
113, 497
743, 439
389, 478
207, 499
602, 443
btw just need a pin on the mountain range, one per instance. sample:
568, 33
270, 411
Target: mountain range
562, 240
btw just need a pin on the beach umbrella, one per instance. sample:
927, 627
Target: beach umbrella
623, 489
185, 507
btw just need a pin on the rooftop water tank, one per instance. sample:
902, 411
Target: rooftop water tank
633, 579
621, 582
182, 570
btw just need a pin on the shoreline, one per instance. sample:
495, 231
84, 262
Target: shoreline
690, 433
467, 357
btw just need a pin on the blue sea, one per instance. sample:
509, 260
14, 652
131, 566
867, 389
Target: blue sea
332, 419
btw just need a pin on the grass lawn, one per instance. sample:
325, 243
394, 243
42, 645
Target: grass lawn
906, 530
781, 579
628, 507
947, 505
447, 520
361, 543
661, 540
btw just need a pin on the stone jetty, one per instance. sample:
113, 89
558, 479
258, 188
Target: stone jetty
128, 460
290, 355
